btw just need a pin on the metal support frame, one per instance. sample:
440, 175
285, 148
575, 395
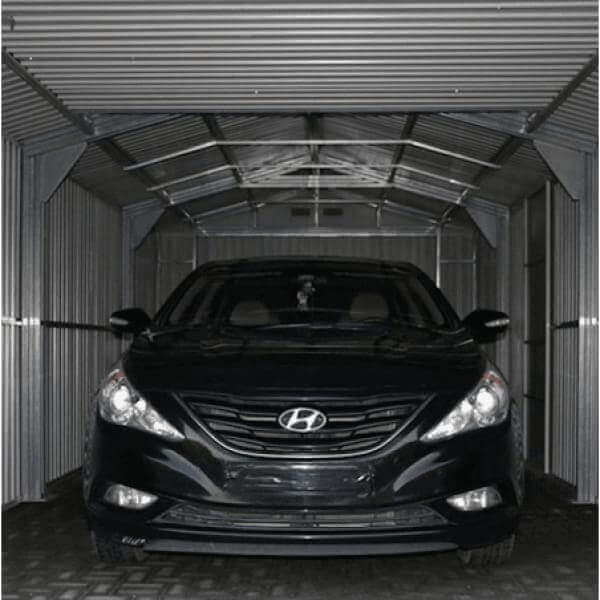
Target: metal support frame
40, 180
54, 167
536, 119
525, 307
567, 165
103, 128
533, 122
548, 329
318, 232
438, 254
227, 209
305, 142
81, 122
136, 223
228, 154
90, 128
503, 262
314, 133
587, 406
407, 130
123, 158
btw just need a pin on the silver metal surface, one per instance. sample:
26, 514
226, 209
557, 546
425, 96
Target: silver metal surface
152, 55
11, 311
576, 119
26, 116
548, 333
565, 334
31, 363
438, 255
312, 142
525, 327
587, 414
81, 282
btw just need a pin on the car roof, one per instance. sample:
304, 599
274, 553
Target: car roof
258, 264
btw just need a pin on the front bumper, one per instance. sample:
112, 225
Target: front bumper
206, 478
467, 531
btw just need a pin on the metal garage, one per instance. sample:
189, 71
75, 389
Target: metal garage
142, 139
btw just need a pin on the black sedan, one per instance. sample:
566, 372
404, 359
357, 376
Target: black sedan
298, 406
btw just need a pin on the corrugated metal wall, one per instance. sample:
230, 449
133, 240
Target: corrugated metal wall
565, 335
587, 443
82, 284
173, 254
11, 333
177, 254
516, 373
458, 271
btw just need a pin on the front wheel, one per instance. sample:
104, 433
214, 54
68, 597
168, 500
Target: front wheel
109, 550
496, 554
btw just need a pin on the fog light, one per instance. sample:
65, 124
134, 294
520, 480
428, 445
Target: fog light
127, 497
478, 499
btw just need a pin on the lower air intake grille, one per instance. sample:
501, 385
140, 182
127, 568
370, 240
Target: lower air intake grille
385, 518
353, 425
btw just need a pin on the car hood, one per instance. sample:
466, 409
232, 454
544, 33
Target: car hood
413, 362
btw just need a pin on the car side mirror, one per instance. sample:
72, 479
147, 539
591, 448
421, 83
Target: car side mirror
486, 325
129, 320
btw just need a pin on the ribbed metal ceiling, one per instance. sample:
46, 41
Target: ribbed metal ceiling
26, 115
426, 181
578, 116
152, 55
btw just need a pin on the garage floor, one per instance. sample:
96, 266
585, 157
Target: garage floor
46, 554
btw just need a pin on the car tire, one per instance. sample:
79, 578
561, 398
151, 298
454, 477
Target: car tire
109, 550
496, 554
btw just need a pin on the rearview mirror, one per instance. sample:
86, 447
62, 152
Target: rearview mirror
486, 325
129, 320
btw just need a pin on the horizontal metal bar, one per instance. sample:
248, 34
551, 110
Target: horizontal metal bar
316, 232
335, 201
191, 177
71, 325
311, 142
403, 167
222, 210
178, 153
18, 322
318, 183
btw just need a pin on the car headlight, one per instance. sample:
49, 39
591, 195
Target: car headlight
486, 405
120, 404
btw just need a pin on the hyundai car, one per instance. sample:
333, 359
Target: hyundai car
302, 406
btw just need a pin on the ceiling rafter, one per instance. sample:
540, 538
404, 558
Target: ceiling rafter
305, 142
122, 158
409, 125
82, 123
533, 122
228, 154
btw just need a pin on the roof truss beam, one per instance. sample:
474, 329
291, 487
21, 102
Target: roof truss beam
82, 123
532, 123
309, 142
123, 158
407, 130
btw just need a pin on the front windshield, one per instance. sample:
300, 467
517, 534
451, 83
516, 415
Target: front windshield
287, 299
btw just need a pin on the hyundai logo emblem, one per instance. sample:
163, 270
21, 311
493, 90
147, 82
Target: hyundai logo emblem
302, 419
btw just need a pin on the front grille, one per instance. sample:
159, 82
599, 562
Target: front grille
384, 518
250, 423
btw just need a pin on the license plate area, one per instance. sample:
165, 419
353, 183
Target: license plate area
314, 483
